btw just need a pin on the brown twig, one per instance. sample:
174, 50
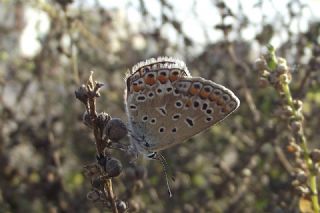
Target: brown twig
89, 99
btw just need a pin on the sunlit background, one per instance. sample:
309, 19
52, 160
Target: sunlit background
47, 50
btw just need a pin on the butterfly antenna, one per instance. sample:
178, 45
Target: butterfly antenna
164, 166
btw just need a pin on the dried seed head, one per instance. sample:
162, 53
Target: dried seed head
93, 195
284, 78
287, 110
121, 206
315, 155
293, 148
282, 68
115, 129
97, 183
260, 64
82, 94
295, 183
113, 167
303, 190
134, 206
296, 126
91, 170
298, 105
301, 177
139, 185
103, 119
264, 73
263, 82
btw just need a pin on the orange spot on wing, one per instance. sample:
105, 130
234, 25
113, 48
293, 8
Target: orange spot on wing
194, 91
204, 94
174, 75
216, 99
173, 78
136, 87
150, 80
163, 79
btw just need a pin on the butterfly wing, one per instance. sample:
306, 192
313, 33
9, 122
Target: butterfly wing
167, 106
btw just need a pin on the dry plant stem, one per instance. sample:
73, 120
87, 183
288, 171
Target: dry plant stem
109, 190
100, 145
312, 177
300, 136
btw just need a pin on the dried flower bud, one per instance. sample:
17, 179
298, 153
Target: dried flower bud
115, 129
296, 126
86, 119
298, 105
301, 177
103, 119
315, 155
303, 190
113, 167
295, 183
121, 206
287, 110
134, 206
282, 69
282, 61
91, 170
93, 195
263, 82
284, 79
97, 183
264, 73
139, 185
293, 148
260, 64
82, 94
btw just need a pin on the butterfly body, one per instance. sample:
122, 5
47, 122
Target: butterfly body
166, 105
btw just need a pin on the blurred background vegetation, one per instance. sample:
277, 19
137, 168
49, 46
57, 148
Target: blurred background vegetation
47, 49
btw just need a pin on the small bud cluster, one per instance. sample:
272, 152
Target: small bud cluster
106, 131
275, 72
276, 77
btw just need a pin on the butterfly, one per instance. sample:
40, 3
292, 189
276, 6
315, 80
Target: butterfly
165, 105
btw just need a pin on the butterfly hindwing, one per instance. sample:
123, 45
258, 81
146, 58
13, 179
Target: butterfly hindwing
166, 106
